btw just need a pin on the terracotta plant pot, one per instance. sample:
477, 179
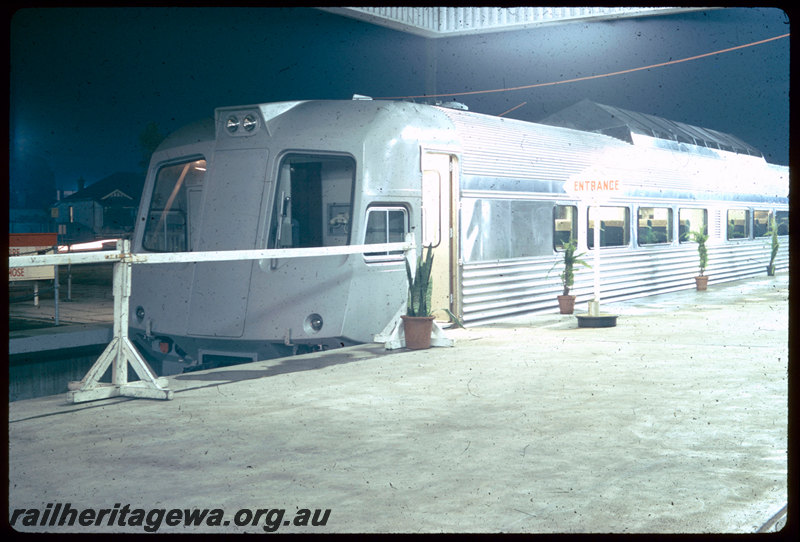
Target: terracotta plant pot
566, 304
701, 282
418, 331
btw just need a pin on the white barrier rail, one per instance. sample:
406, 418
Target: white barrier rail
120, 352
209, 256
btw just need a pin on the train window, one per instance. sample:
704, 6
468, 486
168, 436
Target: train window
690, 220
761, 222
565, 225
782, 221
496, 229
385, 225
313, 201
654, 225
614, 226
170, 213
738, 223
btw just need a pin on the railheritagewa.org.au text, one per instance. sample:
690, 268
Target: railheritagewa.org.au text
59, 515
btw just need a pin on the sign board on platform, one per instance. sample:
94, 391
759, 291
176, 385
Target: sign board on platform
594, 187
593, 190
22, 244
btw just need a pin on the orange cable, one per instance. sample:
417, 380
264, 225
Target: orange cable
659, 65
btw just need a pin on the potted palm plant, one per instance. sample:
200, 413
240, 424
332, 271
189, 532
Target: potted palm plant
773, 232
418, 320
701, 281
566, 302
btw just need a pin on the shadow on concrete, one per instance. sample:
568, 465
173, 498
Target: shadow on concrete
279, 366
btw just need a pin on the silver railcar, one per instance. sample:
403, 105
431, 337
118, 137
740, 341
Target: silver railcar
487, 192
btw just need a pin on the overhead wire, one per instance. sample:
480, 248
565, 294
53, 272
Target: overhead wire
589, 77
512, 109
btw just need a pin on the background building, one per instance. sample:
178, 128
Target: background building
103, 210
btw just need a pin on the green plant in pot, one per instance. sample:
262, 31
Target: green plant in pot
773, 233
701, 281
566, 302
418, 320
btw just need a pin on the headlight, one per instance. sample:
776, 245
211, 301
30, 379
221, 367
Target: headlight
249, 123
313, 323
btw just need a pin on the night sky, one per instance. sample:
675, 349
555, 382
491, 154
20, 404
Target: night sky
85, 82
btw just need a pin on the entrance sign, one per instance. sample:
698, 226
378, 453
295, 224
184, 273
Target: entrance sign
594, 190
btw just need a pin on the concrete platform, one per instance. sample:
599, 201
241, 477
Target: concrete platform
673, 421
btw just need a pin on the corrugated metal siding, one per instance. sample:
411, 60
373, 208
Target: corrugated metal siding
506, 148
511, 148
494, 291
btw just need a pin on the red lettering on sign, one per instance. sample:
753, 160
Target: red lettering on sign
595, 186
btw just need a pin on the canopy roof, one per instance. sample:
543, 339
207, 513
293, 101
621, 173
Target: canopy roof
448, 21
622, 124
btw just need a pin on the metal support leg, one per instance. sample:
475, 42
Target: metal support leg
118, 354
55, 295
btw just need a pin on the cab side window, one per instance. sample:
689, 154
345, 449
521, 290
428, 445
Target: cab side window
385, 224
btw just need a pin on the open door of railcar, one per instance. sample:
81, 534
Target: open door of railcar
440, 227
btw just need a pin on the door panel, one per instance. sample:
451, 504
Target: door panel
438, 227
218, 302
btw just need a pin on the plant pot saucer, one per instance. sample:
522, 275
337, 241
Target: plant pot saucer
601, 320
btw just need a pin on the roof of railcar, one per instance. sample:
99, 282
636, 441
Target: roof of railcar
503, 147
497, 147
